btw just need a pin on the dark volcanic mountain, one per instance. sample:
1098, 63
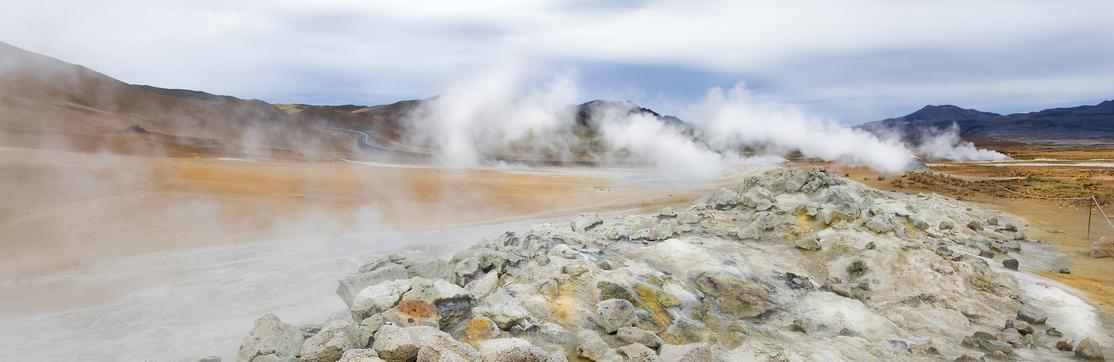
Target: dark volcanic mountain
1083, 123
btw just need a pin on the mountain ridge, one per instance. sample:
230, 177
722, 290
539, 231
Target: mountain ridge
1080, 123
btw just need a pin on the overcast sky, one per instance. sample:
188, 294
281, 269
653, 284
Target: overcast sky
848, 61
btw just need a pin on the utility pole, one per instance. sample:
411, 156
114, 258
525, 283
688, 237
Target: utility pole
1089, 207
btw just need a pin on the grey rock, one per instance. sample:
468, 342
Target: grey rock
586, 221
639, 336
638, 353
609, 290
808, 243
878, 224
1089, 349
511, 350
394, 344
360, 355
592, 347
946, 225
735, 296
330, 343
1022, 327
723, 199
613, 314
270, 337
974, 225
694, 352
502, 308
996, 346
1011, 264
378, 298
1031, 316
857, 268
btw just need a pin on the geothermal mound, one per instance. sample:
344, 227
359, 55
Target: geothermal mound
788, 265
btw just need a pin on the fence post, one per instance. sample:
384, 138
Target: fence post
1089, 207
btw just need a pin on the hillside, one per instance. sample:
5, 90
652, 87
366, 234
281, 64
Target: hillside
1083, 123
46, 102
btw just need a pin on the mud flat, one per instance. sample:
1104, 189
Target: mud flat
162, 258
785, 264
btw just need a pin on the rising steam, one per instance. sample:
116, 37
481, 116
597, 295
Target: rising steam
507, 112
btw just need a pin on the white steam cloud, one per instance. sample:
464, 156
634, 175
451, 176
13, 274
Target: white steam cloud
507, 113
945, 144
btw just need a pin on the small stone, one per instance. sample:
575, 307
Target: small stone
974, 225
870, 245
1053, 332
1031, 316
857, 268
798, 326
613, 314
1089, 349
946, 225
993, 346
1064, 345
808, 243
1021, 326
1011, 264
993, 221
967, 358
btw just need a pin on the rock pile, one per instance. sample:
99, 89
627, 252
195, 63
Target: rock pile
787, 265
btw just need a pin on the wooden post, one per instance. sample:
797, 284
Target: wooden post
1089, 207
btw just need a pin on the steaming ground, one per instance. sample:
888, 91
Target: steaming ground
134, 257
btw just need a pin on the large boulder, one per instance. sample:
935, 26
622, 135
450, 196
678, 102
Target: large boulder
270, 339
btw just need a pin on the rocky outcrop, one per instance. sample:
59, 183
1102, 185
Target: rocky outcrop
786, 258
270, 340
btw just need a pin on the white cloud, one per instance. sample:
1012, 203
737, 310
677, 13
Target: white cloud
353, 50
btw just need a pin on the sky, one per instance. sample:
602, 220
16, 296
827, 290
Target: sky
846, 61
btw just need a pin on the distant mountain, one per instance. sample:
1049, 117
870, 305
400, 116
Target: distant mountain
42, 96
1083, 123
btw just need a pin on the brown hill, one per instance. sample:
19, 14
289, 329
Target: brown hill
45, 102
